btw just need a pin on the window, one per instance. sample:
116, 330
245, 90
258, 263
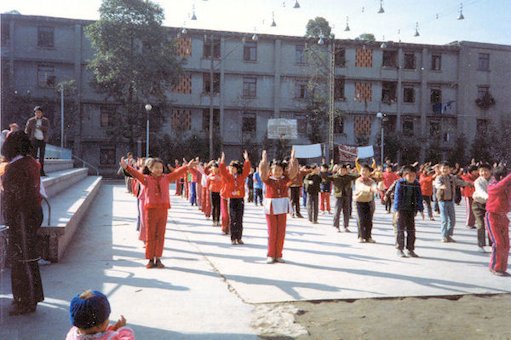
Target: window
482, 91
6, 34
436, 96
339, 89
205, 119
207, 83
408, 127
181, 119
434, 129
482, 126
388, 92
338, 125
409, 61
340, 57
249, 87
409, 95
301, 89
106, 115
389, 59
301, 124
300, 54
46, 75
484, 62
249, 123
45, 36
436, 62
107, 156
211, 46
250, 51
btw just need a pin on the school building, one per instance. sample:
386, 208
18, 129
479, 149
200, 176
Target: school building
427, 93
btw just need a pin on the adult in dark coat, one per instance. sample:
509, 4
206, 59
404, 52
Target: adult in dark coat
38, 131
23, 215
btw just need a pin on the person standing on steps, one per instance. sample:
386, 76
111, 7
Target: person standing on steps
37, 129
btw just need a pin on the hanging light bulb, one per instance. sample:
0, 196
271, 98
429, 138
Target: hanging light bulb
297, 5
460, 16
399, 35
194, 17
416, 30
254, 36
381, 10
273, 23
321, 40
383, 44
347, 29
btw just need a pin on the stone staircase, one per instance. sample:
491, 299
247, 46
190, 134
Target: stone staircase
70, 192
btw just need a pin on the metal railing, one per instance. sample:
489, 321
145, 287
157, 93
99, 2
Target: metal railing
88, 164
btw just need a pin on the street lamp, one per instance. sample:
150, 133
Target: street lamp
148, 109
381, 117
61, 90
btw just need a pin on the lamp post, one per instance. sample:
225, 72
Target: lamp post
148, 109
381, 117
331, 92
61, 89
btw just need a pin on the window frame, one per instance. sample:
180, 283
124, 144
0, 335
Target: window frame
389, 61
46, 78
301, 89
405, 96
300, 57
249, 87
206, 82
483, 64
45, 36
250, 51
436, 59
407, 57
249, 117
111, 161
206, 47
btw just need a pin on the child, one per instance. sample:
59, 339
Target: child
365, 188
445, 185
426, 182
250, 185
312, 186
408, 200
467, 192
214, 184
156, 204
479, 198
234, 181
258, 188
325, 189
497, 223
276, 202
342, 189
89, 313
389, 177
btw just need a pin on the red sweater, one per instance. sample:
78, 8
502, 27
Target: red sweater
234, 185
277, 188
214, 182
499, 194
389, 178
468, 191
156, 193
426, 183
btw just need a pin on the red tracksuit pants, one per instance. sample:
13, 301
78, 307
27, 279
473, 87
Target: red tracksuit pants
156, 223
498, 229
206, 202
325, 201
276, 234
224, 212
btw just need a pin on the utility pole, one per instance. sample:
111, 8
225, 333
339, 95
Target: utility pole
61, 115
331, 101
211, 85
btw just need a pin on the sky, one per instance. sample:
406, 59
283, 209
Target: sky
485, 20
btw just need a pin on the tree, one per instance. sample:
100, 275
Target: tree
458, 153
367, 37
317, 27
135, 63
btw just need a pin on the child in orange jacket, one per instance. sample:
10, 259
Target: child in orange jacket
156, 204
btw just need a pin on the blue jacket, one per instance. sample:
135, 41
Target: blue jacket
258, 183
408, 196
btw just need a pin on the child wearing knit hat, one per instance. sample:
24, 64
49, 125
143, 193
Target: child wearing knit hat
89, 314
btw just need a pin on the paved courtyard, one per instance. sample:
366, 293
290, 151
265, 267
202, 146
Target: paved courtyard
210, 288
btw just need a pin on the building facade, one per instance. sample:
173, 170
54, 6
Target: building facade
428, 94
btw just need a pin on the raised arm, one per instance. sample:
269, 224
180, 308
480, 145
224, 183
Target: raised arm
293, 169
264, 168
134, 173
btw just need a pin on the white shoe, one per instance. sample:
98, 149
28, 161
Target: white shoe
270, 260
280, 260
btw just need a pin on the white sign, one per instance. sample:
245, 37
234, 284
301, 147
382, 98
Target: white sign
365, 151
307, 151
280, 128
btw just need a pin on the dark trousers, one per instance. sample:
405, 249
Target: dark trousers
406, 222
342, 204
39, 149
365, 220
215, 206
388, 205
295, 199
258, 196
23, 250
312, 206
193, 193
250, 194
236, 208
427, 200
479, 210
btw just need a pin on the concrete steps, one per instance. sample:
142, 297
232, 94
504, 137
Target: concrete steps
51, 165
58, 181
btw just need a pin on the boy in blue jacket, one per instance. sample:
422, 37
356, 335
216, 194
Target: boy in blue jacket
407, 202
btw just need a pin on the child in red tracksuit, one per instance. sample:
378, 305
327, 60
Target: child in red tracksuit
276, 202
234, 185
156, 204
468, 192
497, 223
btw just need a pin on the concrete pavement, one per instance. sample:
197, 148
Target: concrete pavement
210, 289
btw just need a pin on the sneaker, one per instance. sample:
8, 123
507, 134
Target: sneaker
338, 229
280, 260
450, 239
299, 215
481, 249
470, 227
346, 230
233, 242
241, 242
270, 260
361, 240
432, 219
445, 240
497, 273
150, 264
400, 253
159, 264
411, 253
370, 240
